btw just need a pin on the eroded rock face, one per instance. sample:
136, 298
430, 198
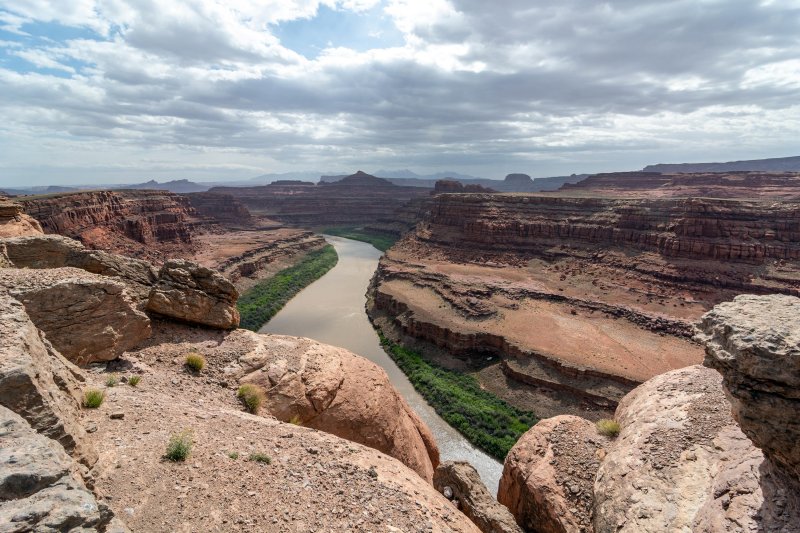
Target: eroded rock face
681, 463
37, 383
39, 487
460, 482
191, 293
754, 342
15, 223
334, 390
548, 475
55, 251
87, 317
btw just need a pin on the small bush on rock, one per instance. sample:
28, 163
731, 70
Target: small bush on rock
179, 446
233, 455
260, 458
134, 380
92, 398
195, 362
112, 380
608, 427
252, 396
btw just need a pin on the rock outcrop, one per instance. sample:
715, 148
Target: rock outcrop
754, 342
334, 390
87, 317
191, 293
548, 475
459, 482
681, 461
40, 488
182, 290
37, 383
15, 223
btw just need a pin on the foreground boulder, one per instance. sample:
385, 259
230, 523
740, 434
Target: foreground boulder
548, 475
15, 223
461, 483
87, 317
334, 390
754, 342
681, 461
37, 383
40, 488
191, 293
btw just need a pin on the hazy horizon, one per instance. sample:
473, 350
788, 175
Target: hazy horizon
210, 90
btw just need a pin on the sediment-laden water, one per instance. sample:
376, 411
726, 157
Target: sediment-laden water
331, 310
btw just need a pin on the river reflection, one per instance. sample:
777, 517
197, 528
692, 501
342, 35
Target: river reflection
331, 310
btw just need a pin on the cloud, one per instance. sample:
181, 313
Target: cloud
546, 88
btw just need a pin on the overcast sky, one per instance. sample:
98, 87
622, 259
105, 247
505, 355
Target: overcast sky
115, 90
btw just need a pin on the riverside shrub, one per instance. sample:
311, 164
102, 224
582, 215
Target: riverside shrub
485, 420
258, 305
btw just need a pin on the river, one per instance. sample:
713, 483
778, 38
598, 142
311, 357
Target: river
331, 310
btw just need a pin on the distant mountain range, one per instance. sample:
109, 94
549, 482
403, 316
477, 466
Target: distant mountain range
512, 182
777, 164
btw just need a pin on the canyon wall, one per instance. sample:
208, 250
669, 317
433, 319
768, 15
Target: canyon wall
576, 299
146, 224
355, 200
743, 185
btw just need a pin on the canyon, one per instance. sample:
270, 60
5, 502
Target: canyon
214, 230
562, 303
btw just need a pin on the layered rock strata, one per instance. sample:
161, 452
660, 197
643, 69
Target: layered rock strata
15, 223
181, 290
38, 384
140, 223
671, 184
87, 317
579, 299
40, 486
191, 293
356, 199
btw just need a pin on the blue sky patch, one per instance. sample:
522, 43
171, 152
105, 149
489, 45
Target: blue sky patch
339, 28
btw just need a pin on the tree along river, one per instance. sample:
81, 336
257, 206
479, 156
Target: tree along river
331, 310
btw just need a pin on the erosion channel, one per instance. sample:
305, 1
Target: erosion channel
331, 310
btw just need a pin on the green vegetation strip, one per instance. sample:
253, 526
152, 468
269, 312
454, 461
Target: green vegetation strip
258, 305
381, 241
484, 419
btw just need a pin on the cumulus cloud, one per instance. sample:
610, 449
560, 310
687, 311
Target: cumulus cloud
545, 87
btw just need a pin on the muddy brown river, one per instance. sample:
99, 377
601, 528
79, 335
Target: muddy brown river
331, 310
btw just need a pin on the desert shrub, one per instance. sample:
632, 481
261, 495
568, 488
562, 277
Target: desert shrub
485, 420
233, 455
381, 241
195, 362
252, 396
608, 427
258, 305
179, 446
92, 398
134, 380
296, 420
260, 458
112, 380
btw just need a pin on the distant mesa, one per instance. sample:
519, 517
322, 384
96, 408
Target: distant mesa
518, 179
453, 186
290, 182
777, 164
179, 186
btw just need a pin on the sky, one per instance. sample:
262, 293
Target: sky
114, 91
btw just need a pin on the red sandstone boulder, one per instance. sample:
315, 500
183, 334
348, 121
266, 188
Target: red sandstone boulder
334, 390
549, 474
